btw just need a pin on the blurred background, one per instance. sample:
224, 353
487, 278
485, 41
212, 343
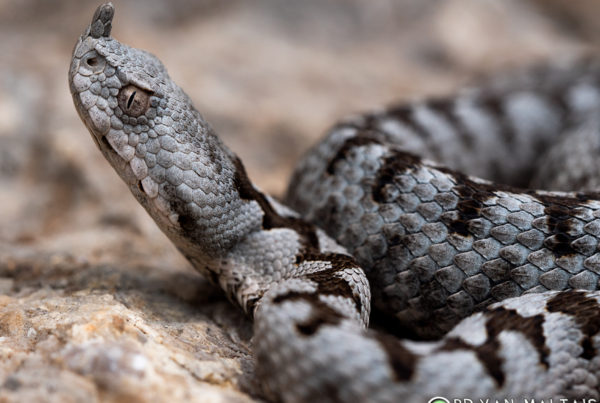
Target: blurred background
270, 75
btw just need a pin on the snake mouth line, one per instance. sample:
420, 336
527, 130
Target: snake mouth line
103, 143
84, 116
97, 136
82, 112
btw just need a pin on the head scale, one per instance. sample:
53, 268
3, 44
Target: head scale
118, 90
102, 21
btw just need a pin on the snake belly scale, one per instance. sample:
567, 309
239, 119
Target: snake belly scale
498, 284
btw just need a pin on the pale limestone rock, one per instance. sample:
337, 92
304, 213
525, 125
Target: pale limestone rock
83, 332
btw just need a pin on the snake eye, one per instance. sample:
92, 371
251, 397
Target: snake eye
134, 101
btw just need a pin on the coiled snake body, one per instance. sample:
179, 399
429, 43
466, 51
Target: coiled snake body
440, 249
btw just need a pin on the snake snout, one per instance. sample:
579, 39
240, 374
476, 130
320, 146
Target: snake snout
93, 85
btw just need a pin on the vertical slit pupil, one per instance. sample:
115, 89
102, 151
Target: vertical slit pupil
130, 100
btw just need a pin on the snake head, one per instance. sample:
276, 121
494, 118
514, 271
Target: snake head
126, 99
116, 89
159, 144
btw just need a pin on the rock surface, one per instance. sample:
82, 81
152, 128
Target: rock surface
95, 304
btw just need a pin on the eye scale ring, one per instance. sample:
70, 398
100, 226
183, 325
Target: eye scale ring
133, 101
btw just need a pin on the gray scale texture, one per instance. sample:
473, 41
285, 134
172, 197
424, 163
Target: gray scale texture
451, 244
436, 244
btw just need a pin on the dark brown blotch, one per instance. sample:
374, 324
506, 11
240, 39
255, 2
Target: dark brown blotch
487, 353
494, 104
402, 361
328, 283
531, 327
321, 313
447, 108
499, 320
585, 311
558, 220
271, 219
468, 209
405, 114
393, 165
186, 219
472, 196
362, 139
559, 210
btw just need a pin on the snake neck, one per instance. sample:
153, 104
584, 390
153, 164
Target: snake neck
200, 195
